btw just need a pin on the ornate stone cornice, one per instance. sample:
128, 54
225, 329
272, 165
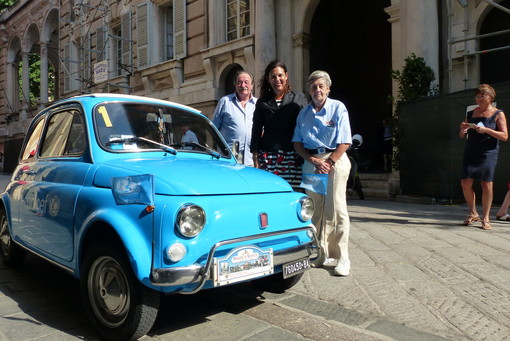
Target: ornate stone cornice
393, 12
300, 39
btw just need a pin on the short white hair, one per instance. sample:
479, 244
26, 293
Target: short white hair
318, 74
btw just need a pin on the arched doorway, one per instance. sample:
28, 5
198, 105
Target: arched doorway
494, 66
351, 40
229, 79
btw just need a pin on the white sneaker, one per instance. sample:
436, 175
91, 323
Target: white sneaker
332, 262
343, 267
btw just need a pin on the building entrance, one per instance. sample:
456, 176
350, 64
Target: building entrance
351, 40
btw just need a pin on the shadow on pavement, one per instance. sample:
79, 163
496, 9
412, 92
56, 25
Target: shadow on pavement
179, 311
40, 294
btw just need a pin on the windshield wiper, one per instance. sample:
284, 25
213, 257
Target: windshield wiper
209, 151
164, 147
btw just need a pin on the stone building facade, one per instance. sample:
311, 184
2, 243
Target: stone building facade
188, 50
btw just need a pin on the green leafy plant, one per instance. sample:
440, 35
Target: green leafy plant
415, 81
4, 4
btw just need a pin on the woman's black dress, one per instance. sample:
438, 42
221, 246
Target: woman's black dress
481, 151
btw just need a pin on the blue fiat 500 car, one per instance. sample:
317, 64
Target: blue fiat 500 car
137, 197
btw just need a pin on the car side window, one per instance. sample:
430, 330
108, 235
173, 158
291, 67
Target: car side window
64, 136
76, 141
33, 142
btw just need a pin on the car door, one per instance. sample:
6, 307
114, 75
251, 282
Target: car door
49, 182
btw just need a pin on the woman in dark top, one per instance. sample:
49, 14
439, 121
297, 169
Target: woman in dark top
484, 127
274, 121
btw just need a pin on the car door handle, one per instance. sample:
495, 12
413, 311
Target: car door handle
28, 171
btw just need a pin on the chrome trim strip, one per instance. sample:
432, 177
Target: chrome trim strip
63, 267
197, 273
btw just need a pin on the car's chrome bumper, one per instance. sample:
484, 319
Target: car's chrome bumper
197, 273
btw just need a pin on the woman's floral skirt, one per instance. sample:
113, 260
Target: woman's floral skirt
284, 164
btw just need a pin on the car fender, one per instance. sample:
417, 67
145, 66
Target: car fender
137, 246
6, 204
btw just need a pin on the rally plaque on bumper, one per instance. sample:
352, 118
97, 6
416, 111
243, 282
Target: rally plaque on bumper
242, 264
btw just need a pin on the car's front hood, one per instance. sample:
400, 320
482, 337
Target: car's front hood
194, 176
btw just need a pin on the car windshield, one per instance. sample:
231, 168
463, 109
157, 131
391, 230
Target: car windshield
128, 127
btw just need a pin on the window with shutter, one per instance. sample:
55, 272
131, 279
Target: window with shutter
71, 67
126, 45
100, 44
116, 56
67, 67
142, 29
169, 33
180, 29
86, 61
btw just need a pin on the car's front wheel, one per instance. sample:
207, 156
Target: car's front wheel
12, 254
119, 307
276, 283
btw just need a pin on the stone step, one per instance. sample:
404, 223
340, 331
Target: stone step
375, 185
369, 193
374, 176
376, 193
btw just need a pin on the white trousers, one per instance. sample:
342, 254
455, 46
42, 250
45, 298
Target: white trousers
331, 217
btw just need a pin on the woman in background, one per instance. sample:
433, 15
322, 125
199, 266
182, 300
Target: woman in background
483, 128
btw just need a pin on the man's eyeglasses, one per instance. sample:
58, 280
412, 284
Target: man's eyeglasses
480, 96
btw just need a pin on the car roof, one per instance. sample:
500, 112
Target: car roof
122, 97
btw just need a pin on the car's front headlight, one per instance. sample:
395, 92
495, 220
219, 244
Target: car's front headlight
306, 209
190, 220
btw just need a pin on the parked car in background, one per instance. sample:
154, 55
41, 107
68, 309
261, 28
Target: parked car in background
137, 197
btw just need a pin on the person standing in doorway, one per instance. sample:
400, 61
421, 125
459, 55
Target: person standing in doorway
233, 117
387, 145
322, 137
274, 120
483, 128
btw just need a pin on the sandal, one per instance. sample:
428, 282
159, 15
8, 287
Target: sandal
505, 217
486, 225
470, 220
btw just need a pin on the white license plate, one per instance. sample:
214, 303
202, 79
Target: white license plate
296, 267
242, 264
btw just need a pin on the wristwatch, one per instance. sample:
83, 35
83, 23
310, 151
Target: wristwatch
330, 161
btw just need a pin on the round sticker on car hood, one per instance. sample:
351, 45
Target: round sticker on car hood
194, 177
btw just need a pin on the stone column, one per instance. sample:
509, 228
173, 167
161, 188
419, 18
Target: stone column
414, 29
11, 86
301, 45
43, 97
265, 36
424, 23
397, 61
26, 80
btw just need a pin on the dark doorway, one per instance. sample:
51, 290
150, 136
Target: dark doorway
230, 88
494, 66
351, 40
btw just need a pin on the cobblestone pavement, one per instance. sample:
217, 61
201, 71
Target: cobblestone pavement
416, 274
418, 267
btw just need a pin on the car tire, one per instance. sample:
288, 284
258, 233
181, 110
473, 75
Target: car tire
11, 253
122, 309
276, 283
